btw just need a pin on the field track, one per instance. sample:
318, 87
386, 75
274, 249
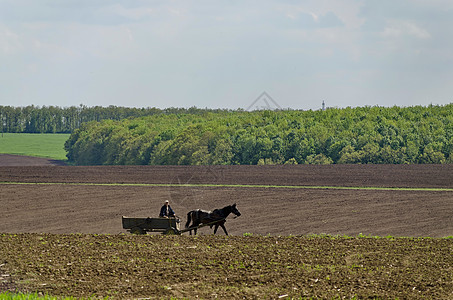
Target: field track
94, 198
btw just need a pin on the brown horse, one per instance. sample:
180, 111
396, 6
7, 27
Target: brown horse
200, 216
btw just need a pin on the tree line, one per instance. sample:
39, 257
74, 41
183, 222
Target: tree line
54, 119
377, 135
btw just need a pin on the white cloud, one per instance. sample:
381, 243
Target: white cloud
219, 54
315, 16
134, 13
399, 28
9, 41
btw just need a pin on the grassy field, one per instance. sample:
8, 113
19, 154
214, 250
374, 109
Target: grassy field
29, 144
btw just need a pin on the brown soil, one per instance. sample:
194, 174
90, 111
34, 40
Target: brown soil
209, 267
127, 266
19, 160
428, 176
59, 208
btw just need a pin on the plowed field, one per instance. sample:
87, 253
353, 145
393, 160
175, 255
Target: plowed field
52, 215
209, 267
274, 200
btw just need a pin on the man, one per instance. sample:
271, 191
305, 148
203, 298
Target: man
166, 211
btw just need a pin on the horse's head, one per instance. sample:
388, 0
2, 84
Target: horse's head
234, 210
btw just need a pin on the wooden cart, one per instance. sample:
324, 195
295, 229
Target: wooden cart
163, 225
144, 225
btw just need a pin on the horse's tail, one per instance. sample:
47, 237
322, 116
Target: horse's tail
189, 218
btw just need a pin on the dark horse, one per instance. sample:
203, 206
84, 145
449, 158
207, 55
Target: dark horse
199, 216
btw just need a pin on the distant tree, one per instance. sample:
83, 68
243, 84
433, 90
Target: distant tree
348, 155
291, 161
318, 159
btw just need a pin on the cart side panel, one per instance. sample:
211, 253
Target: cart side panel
129, 223
150, 224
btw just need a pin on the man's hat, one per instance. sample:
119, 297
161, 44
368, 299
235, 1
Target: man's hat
166, 201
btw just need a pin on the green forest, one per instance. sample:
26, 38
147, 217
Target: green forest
362, 135
54, 119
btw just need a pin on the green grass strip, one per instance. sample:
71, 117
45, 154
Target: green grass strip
236, 186
46, 145
35, 296
21, 296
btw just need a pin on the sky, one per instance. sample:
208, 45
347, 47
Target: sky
225, 54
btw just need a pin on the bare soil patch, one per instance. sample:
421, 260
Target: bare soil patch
19, 160
63, 208
208, 267
428, 176
50, 240
98, 209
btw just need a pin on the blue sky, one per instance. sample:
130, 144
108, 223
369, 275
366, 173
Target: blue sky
224, 54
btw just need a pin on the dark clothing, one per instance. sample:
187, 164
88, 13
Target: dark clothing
166, 213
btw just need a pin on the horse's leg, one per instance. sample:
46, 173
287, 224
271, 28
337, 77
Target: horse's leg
189, 219
195, 225
215, 228
195, 217
224, 229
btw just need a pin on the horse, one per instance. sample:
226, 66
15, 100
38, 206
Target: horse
200, 216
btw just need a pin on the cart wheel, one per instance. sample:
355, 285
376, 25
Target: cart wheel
171, 231
138, 230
